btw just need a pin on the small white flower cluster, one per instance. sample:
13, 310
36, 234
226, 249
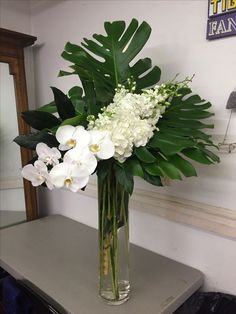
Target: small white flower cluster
131, 119
83, 150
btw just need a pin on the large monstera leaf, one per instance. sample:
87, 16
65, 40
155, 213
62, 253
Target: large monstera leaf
104, 62
180, 139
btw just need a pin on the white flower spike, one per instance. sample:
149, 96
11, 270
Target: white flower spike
68, 175
50, 156
70, 137
37, 174
83, 159
101, 144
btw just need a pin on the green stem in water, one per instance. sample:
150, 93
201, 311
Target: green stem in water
113, 214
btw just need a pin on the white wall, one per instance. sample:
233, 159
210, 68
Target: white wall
15, 15
177, 45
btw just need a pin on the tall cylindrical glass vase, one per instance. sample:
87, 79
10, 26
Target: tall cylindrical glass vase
113, 200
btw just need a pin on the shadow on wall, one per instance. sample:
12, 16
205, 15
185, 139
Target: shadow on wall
40, 6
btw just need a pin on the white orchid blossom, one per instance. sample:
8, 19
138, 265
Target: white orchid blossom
37, 174
70, 137
85, 161
50, 156
101, 145
68, 175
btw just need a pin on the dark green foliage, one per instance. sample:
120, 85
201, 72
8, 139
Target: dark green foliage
154, 180
180, 135
51, 107
134, 166
100, 75
31, 140
75, 94
40, 120
63, 103
103, 169
144, 155
183, 165
124, 177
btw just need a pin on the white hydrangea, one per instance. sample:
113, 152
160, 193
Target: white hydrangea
131, 119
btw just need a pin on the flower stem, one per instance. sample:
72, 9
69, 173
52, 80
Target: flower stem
113, 222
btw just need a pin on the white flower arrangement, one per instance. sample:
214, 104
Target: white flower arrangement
121, 124
121, 121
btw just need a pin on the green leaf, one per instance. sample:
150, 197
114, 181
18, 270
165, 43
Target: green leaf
76, 92
185, 133
103, 168
152, 169
208, 153
194, 106
75, 121
170, 144
183, 165
135, 167
141, 66
52, 130
124, 177
105, 61
150, 79
197, 155
190, 114
51, 107
154, 180
192, 99
65, 73
91, 102
79, 106
144, 155
190, 124
31, 140
40, 120
168, 169
64, 105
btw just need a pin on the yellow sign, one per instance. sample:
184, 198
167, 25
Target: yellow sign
221, 6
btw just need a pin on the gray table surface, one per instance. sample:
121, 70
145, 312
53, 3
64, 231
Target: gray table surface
58, 258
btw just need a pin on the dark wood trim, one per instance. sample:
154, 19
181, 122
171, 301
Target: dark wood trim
15, 38
12, 46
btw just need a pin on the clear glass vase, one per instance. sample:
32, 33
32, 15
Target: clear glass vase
114, 284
